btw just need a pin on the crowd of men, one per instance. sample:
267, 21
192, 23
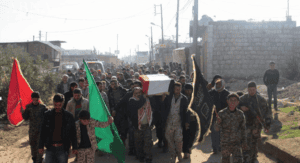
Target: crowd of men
236, 126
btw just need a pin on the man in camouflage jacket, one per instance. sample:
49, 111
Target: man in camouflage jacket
34, 112
231, 121
259, 114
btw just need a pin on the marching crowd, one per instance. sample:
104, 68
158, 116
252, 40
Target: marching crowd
236, 123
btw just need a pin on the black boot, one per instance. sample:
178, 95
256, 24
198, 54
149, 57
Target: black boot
131, 152
160, 144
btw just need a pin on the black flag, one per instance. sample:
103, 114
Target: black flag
201, 100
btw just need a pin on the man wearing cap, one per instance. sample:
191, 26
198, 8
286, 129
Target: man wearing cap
271, 79
231, 121
58, 132
77, 103
219, 97
257, 105
34, 112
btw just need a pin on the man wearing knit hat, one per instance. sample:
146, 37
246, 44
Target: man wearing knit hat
259, 106
34, 112
231, 121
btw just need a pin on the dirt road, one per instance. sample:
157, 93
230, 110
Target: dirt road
19, 152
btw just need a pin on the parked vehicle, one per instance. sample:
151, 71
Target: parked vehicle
95, 64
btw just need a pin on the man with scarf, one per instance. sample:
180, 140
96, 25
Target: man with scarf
219, 97
140, 114
258, 106
176, 118
77, 103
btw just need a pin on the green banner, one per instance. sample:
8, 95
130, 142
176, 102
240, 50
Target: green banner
107, 138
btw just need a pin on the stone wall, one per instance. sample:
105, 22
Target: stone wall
244, 49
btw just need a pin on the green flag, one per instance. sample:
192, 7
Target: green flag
107, 138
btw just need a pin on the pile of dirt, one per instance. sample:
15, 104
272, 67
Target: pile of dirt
291, 92
234, 84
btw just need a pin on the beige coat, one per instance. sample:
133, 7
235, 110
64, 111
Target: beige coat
72, 105
91, 131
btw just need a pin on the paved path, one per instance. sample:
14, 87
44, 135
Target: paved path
201, 153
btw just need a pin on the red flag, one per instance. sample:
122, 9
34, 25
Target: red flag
19, 95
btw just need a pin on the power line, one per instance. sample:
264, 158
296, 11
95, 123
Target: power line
97, 26
68, 18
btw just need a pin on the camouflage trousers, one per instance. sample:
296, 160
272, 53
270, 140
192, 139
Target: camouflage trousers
34, 146
235, 150
86, 155
143, 142
175, 139
250, 154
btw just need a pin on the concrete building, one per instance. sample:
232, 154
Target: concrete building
50, 50
244, 49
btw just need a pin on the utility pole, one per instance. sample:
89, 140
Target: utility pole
177, 24
195, 36
195, 27
152, 45
33, 38
162, 31
149, 50
117, 41
40, 35
46, 36
162, 25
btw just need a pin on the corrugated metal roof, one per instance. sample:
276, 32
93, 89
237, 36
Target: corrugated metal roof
43, 42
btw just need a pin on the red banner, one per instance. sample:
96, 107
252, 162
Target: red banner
19, 95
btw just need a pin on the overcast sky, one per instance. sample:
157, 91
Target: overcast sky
89, 23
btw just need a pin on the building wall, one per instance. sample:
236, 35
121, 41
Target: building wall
35, 49
243, 49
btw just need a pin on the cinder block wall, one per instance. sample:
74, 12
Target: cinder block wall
243, 49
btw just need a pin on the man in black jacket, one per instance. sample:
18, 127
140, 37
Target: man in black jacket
189, 135
57, 132
271, 79
219, 97
115, 94
175, 119
127, 127
68, 95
